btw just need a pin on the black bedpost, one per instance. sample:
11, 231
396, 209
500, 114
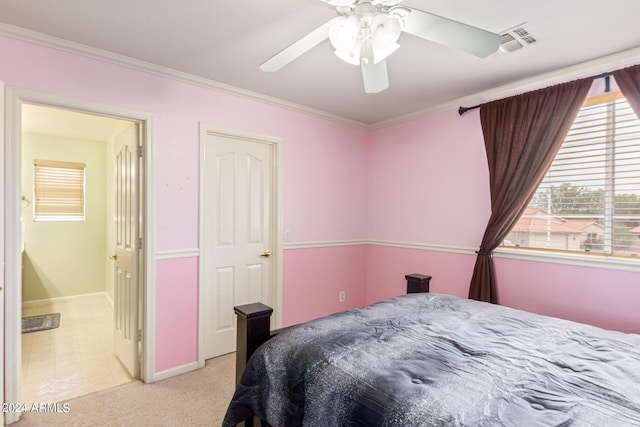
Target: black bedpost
253, 329
417, 283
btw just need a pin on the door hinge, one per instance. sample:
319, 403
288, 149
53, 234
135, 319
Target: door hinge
139, 335
139, 242
140, 151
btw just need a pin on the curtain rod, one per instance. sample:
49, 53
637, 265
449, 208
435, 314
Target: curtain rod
463, 110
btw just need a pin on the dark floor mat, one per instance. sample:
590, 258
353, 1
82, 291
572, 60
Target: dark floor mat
40, 323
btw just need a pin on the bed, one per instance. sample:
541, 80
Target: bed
432, 359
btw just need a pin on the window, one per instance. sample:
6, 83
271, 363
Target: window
589, 200
58, 191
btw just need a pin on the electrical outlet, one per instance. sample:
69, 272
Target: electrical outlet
342, 296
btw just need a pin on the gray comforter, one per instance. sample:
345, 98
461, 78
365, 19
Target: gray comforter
435, 360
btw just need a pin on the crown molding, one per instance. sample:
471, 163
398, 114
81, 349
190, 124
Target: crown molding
23, 34
585, 69
574, 72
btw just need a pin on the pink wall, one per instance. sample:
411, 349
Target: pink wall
324, 175
325, 182
318, 206
176, 312
605, 298
428, 181
428, 184
314, 277
387, 266
424, 181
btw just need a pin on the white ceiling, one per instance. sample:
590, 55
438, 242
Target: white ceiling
225, 42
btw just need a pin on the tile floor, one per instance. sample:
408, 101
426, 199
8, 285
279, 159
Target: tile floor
74, 359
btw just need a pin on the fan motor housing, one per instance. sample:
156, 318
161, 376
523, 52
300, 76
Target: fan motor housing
365, 12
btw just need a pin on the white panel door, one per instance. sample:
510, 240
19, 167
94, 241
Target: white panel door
238, 177
125, 288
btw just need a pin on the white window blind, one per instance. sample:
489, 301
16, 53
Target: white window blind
59, 191
589, 200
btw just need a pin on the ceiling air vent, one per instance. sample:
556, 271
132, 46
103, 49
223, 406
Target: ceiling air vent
516, 38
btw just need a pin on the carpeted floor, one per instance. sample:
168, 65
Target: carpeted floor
197, 398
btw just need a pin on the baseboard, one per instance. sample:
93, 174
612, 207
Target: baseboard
178, 370
35, 303
109, 299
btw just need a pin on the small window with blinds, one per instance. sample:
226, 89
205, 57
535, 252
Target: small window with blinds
589, 200
59, 190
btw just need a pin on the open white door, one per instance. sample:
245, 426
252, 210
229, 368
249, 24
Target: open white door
238, 233
125, 256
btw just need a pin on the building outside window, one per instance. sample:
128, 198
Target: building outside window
589, 200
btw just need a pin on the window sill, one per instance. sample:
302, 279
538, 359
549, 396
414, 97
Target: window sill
593, 261
59, 219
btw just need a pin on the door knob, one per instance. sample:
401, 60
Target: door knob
266, 254
114, 257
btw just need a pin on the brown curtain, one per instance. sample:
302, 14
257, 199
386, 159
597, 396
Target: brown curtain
522, 135
628, 80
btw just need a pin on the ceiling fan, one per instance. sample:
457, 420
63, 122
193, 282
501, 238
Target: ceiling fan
366, 32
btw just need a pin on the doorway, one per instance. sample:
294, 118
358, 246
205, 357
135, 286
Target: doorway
16, 99
65, 266
240, 245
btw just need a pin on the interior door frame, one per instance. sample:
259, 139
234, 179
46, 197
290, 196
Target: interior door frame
11, 182
208, 129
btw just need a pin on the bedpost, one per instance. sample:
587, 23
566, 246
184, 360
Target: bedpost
253, 329
417, 283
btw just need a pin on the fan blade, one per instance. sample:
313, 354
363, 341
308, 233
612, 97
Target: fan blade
298, 48
375, 76
447, 32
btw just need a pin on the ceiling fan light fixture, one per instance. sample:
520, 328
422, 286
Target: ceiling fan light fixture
387, 2
366, 32
344, 33
340, 3
350, 56
385, 31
